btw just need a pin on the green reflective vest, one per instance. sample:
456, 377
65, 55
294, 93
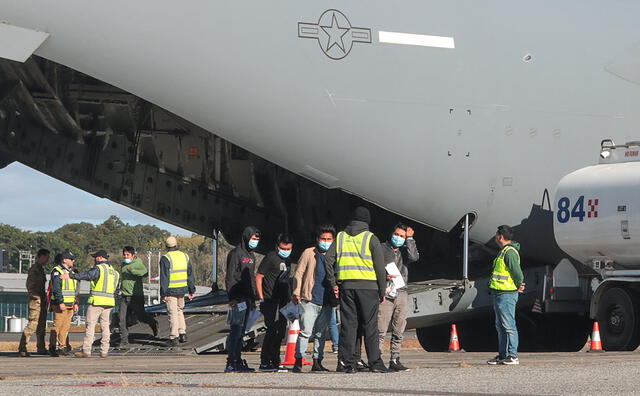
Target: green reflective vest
353, 257
69, 287
178, 264
501, 277
104, 288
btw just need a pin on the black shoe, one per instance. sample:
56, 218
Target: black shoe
154, 330
395, 365
24, 354
496, 360
350, 370
243, 367
53, 353
317, 366
297, 366
43, 351
173, 342
379, 369
340, 367
183, 338
362, 366
267, 368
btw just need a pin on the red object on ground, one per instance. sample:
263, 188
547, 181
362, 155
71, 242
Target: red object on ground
596, 343
292, 339
454, 343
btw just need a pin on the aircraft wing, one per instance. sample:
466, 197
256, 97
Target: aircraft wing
19, 43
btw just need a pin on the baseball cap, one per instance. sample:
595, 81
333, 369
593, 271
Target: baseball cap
100, 253
67, 255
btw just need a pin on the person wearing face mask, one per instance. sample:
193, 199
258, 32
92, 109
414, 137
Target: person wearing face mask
240, 283
105, 284
132, 302
313, 294
399, 249
272, 286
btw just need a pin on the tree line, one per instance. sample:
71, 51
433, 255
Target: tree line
112, 235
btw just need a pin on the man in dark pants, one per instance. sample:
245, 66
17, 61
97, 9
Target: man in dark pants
272, 285
241, 283
358, 260
132, 301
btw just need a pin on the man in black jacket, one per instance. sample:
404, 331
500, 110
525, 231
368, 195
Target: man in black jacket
361, 277
240, 283
272, 286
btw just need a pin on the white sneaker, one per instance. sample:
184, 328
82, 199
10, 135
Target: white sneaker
510, 360
495, 360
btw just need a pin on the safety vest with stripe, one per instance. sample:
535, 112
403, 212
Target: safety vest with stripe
69, 287
353, 257
178, 263
501, 277
104, 288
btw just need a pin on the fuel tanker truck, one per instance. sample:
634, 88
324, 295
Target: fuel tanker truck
597, 223
594, 277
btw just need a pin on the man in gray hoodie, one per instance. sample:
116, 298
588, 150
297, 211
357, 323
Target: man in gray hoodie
357, 258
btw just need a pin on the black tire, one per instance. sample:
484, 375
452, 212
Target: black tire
618, 318
434, 338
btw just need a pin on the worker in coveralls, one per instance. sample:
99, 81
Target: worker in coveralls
506, 282
37, 301
105, 282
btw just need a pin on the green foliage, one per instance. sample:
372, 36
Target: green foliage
82, 239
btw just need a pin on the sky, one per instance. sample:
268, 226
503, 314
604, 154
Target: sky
33, 201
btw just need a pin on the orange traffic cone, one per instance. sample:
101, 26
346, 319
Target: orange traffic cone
596, 344
454, 343
292, 339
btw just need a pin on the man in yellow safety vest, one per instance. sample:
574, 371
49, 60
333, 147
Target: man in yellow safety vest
176, 280
64, 303
105, 281
357, 257
506, 282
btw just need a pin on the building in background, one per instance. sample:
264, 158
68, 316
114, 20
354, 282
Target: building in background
13, 297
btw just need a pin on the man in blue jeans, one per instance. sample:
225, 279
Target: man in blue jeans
313, 293
505, 284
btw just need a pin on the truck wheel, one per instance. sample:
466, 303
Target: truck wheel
434, 338
618, 319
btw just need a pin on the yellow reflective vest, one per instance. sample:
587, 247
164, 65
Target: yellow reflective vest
501, 277
353, 257
69, 287
178, 264
104, 288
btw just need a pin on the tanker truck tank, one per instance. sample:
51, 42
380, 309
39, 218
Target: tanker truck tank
597, 209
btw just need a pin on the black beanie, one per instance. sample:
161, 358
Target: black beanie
362, 214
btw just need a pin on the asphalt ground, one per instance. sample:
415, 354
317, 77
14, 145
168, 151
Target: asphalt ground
609, 373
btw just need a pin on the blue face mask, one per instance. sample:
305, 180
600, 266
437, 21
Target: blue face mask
253, 243
284, 253
324, 246
397, 241
127, 261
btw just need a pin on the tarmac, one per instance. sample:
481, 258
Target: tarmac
578, 373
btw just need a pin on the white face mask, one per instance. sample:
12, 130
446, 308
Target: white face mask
127, 261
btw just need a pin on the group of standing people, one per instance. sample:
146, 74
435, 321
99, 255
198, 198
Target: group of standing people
106, 284
346, 269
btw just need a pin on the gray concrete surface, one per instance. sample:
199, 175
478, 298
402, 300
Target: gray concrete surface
577, 373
